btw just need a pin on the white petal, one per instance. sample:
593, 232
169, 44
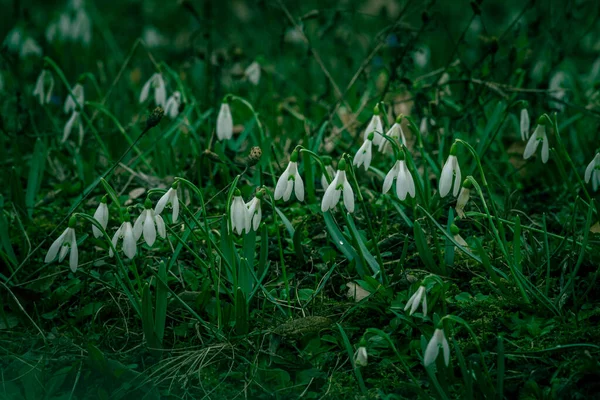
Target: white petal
446, 349
175, 205
327, 197
146, 90
69, 126
224, 123
282, 184
417, 300
545, 149
432, 351
115, 239
524, 124
457, 178
348, 197
101, 215
162, 202
256, 218
531, 147
425, 304
149, 229
160, 226
63, 252
410, 182
288, 190
589, 170
446, 177
160, 91
129, 242
389, 178
299, 187
138, 226
74, 257
56, 245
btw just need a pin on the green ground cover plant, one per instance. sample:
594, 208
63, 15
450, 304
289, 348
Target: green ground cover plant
358, 199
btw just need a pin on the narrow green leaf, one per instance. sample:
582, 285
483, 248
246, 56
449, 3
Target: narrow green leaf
342, 243
36, 173
423, 248
161, 302
148, 319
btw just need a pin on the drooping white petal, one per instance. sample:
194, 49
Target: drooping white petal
69, 126
389, 178
239, 215
299, 187
446, 177
361, 358
288, 190
532, 144
224, 123
545, 149
160, 91
146, 90
56, 245
282, 184
432, 350
138, 226
348, 196
175, 205
129, 242
115, 240
588, 171
149, 228
162, 202
329, 194
524, 124
160, 226
253, 73
101, 215
457, 177
257, 217
172, 106
446, 348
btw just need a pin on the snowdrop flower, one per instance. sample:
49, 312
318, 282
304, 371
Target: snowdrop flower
30, 48
593, 172
450, 171
224, 122
101, 215
153, 38
75, 99
364, 155
239, 214
290, 179
376, 127
252, 73
73, 122
524, 124
405, 184
160, 91
254, 212
455, 231
148, 223
124, 232
361, 358
463, 198
396, 133
60, 29
539, 135
170, 197
81, 27
433, 349
330, 173
44, 86
415, 299
556, 87
334, 191
173, 104
66, 243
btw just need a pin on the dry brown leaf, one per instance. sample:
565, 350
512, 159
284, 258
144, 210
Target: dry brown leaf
356, 292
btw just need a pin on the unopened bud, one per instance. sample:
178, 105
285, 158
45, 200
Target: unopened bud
212, 156
155, 117
254, 156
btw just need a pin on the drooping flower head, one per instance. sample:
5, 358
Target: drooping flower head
364, 155
44, 86
361, 358
239, 214
173, 104
338, 186
254, 211
539, 136
66, 243
75, 99
74, 122
224, 122
463, 198
252, 73
101, 215
450, 174
524, 122
433, 348
148, 223
396, 133
170, 197
592, 172
125, 232
156, 82
413, 303
290, 180
376, 127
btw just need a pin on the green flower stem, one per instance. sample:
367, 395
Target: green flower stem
366, 210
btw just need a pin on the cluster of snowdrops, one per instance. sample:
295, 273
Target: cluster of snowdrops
246, 216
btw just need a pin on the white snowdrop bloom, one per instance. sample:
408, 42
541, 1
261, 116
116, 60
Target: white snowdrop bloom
124, 232
334, 191
147, 224
463, 198
593, 172
239, 214
396, 133
389, 178
173, 104
170, 197
66, 243
420, 296
44, 86
30, 48
224, 122
157, 83
433, 349
405, 184
81, 27
539, 135
13, 39
153, 38
101, 215
254, 213
290, 180
252, 73
450, 172
73, 122
375, 127
331, 173
421, 56
361, 358
364, 155
524, 124
75, 99
556, 87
